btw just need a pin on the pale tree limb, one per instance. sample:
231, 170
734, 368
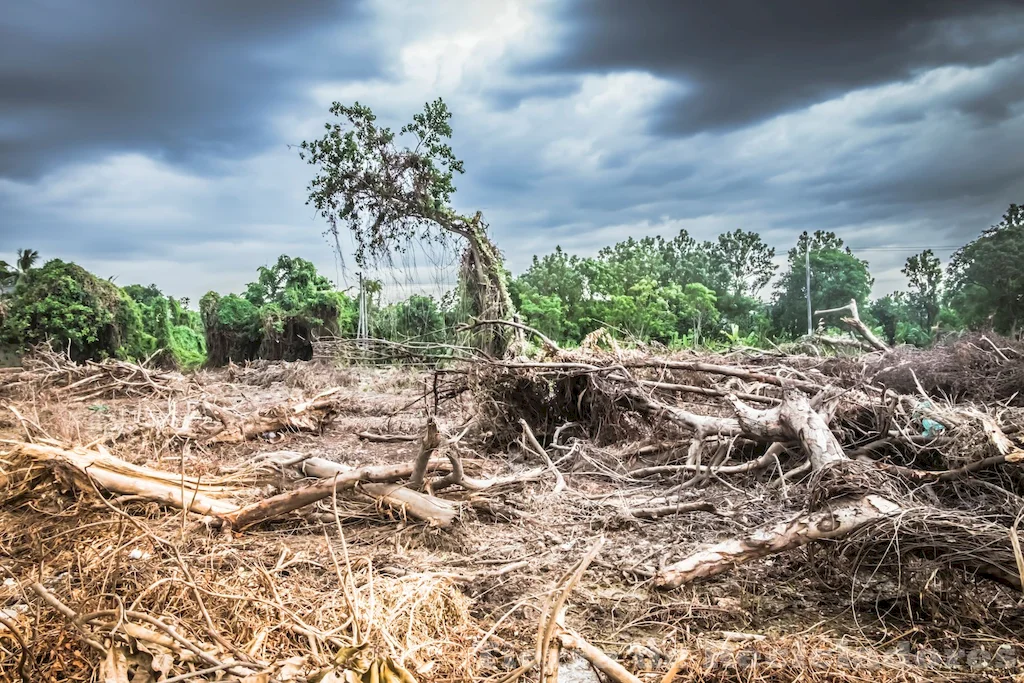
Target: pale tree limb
436, 511
283, 503
80, 465
841, 518
853, 321
549, 625
571, 640
539, 450
428, 444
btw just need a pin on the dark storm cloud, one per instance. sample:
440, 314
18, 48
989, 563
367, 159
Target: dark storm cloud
147, 139
741, 61
184, 80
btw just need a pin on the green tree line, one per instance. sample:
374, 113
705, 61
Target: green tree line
675, 291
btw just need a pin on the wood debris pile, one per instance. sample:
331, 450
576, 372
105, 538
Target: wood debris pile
54, 373
659, 517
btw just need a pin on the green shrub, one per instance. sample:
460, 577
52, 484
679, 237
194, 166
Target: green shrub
174, 333
279, 315
67, 306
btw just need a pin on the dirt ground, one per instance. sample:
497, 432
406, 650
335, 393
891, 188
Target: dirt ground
457, 603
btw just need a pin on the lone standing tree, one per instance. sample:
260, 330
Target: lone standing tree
391, 189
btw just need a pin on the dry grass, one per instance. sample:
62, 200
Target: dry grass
295, 596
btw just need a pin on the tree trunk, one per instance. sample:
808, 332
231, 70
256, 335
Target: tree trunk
283, 503
83, 468
431, 509
840, 518
484, 284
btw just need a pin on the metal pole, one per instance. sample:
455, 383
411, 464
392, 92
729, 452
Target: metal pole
807, 269
362, 310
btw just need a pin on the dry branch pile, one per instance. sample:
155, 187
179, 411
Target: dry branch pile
53, 372
657, 518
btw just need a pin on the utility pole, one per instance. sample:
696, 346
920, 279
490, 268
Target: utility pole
807, 270
362, 310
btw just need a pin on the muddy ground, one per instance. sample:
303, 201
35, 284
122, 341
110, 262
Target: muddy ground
459, 603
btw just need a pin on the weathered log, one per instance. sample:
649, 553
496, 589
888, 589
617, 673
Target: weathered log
431, 509
83, 467
703, 391
928, 476
435, 511
840, 518
283, 503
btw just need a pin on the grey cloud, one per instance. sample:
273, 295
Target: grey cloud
203, 85
741, 61
188, 80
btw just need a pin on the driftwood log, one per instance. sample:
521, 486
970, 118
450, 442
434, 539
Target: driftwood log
84, 469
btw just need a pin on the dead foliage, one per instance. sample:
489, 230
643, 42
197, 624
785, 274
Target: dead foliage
986, 368
53, 372
657, 518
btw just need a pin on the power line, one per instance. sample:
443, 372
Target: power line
936, 248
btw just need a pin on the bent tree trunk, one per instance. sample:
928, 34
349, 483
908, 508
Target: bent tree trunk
482, 280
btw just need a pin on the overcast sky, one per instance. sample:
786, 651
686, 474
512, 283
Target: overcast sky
149, 141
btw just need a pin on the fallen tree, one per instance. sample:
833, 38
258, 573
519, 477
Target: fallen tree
306, 416
866, 501
405, 190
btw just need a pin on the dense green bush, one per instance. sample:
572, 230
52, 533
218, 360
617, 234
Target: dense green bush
67, 306
175, 334
279, 315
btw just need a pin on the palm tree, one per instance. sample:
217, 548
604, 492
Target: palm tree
26, 259
12, 275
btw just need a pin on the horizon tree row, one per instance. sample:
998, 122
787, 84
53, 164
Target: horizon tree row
673, 291
681, 292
